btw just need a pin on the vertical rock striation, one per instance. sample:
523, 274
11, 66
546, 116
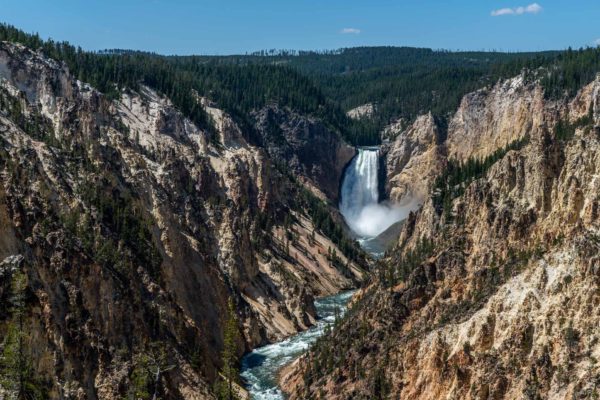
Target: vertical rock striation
133, 227
496, 295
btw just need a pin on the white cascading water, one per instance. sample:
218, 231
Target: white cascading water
367, 218
360, 197
261, 367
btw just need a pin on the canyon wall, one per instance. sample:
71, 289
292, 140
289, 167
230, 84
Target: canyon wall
494, 295
126, 229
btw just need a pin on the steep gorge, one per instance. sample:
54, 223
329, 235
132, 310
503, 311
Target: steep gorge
126, 228
493, 292
128, 224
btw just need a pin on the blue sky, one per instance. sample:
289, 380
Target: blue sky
238, 26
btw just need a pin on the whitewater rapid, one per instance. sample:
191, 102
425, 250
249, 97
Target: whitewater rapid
261, 366
367, 218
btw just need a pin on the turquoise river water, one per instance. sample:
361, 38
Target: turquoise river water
261, 366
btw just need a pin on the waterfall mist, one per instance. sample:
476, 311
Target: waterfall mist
360, 198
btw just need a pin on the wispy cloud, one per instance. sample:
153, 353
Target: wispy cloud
597, 42
350, 31
533, 8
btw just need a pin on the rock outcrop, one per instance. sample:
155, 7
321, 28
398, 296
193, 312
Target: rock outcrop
490, 119
307, 147
495, 297
132, 227
413, 160
362, 111
487, 120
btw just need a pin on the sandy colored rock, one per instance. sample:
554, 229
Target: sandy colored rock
136, 226
505, 306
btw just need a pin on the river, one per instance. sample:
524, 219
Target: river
261, 366
368, 218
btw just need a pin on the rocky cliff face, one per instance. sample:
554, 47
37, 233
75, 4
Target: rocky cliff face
487, 120
362, 111
413, 159
491, 118
126, 229
307, 147
495, 297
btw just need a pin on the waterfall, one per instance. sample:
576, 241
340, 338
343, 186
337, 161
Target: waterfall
360, 187
360, 197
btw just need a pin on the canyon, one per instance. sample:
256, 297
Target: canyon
161, 227
491, 290
132, 228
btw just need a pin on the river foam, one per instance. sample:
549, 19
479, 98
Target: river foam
261, 366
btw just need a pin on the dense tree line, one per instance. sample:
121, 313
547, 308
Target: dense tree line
457, 176
365, 59
405, 82
236, 88
570, 71
400, 81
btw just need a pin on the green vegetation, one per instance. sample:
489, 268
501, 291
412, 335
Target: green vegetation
34, 124
402, 82
123, 235
122, 215
17, 376
379, 385
565, 130
149, 367
402, 264
320, 214
111, 73
489, 280
570, 71
237, 89
335, 353
224, 388
406, 82
458, 175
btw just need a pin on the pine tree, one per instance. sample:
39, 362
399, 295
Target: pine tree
16, 373
230, 373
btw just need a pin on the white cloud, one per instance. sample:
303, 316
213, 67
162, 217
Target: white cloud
597, 42
533, 8
352, 31
503, 11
